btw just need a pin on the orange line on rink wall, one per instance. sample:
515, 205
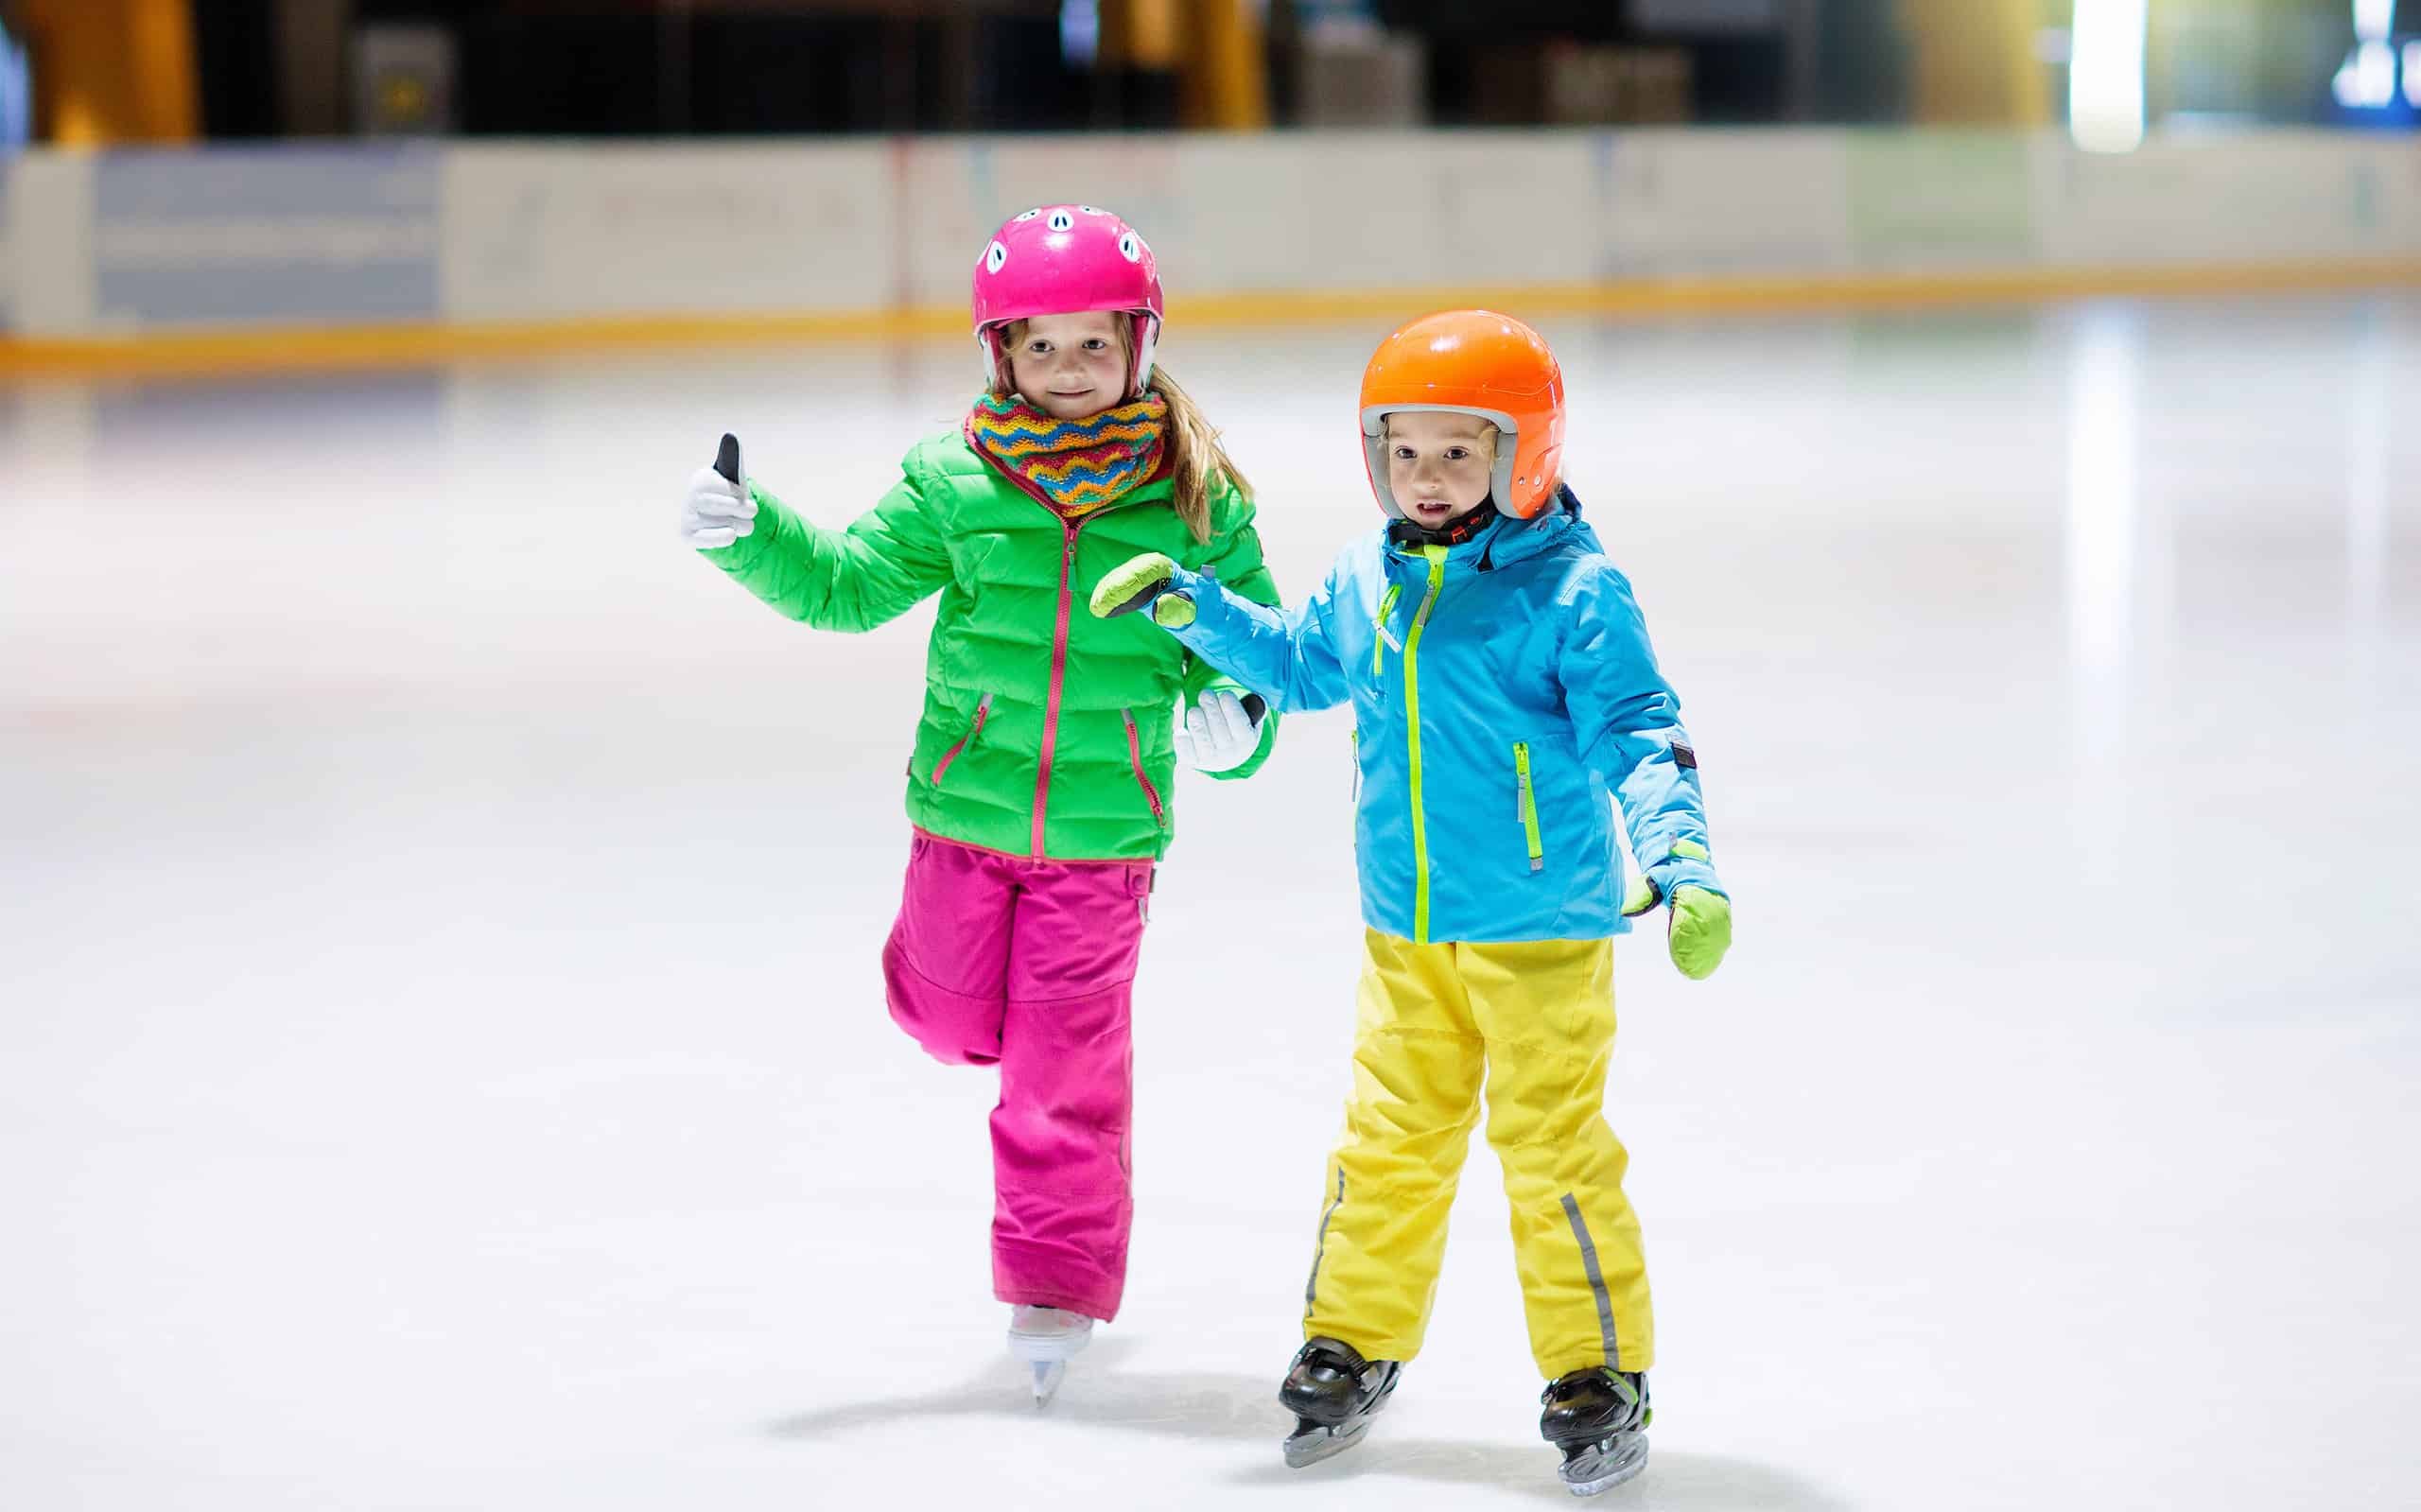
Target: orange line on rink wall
271, 349
278, 349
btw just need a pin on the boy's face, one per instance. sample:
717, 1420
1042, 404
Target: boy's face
1439, 464
1070, 366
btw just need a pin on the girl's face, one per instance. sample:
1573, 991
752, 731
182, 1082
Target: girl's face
1439, 464
1070, 367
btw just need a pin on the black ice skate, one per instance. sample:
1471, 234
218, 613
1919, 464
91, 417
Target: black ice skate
1599, 1419
1334, 1393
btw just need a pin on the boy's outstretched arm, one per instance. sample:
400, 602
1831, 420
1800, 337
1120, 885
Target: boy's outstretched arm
1287, 656
1628, 723
1213, 699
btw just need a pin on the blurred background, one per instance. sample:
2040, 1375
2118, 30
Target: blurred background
442, 1053
173, 70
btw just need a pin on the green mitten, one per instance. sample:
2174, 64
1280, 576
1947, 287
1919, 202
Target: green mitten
1638, 897
1139, 582
1698, 931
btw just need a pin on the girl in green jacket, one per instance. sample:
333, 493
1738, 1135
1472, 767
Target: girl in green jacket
1040, 779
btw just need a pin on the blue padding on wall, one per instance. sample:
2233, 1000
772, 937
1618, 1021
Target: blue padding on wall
287, 232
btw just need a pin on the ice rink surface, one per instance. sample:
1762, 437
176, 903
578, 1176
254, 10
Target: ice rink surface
442, 1062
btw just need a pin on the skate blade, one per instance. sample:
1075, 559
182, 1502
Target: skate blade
1604, 1467
1047, 1376
1322, 1443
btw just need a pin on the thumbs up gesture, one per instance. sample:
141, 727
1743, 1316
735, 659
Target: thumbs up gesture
717, 509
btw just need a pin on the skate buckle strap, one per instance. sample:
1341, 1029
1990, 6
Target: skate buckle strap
1342, 1353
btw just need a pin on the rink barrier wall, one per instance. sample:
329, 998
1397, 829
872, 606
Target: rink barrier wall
389, 345
378, 254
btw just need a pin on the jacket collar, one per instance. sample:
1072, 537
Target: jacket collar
1505, 540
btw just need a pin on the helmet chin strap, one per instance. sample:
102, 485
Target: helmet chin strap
1454, 532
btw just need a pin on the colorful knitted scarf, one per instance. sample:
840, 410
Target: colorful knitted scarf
1079, 465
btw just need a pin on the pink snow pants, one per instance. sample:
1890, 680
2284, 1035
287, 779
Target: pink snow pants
1030, 964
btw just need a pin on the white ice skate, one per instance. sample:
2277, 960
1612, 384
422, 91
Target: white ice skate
1047, 1338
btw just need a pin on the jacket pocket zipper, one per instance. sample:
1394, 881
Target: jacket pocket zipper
1135, 753
1357, 768
983, 707
1529, 805
1379, 633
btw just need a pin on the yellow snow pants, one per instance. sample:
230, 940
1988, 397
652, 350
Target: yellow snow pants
1536, 1020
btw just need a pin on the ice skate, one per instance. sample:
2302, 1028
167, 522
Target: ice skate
1047, 1338
1334, 1393
1599, 1419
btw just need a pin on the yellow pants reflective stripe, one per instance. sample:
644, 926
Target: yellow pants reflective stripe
1531, 1027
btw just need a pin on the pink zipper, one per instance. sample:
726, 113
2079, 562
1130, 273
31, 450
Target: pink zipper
1058, 675
982, 706
1059, 637
1135, 753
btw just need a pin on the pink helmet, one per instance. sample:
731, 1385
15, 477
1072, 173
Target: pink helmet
1063, 260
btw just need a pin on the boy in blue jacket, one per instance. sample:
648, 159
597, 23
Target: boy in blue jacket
1502, 683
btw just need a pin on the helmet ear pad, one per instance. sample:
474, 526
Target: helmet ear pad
996, 357
1145, 344
1537, 467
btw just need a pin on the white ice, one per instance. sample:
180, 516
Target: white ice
442, 1062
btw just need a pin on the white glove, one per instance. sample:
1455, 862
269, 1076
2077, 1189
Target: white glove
1221, 733
716, 510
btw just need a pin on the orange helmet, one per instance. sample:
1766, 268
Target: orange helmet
1471, 362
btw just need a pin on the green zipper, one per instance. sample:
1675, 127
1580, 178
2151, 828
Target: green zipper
1437, 555
1529, 805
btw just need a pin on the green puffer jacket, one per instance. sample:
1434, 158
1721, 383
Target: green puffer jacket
1046, 731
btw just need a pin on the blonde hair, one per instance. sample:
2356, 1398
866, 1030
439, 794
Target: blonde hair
1199, 462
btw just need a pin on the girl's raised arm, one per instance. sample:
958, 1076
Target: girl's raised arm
878, 570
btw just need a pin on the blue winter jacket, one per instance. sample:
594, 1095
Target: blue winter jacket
1500, 687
